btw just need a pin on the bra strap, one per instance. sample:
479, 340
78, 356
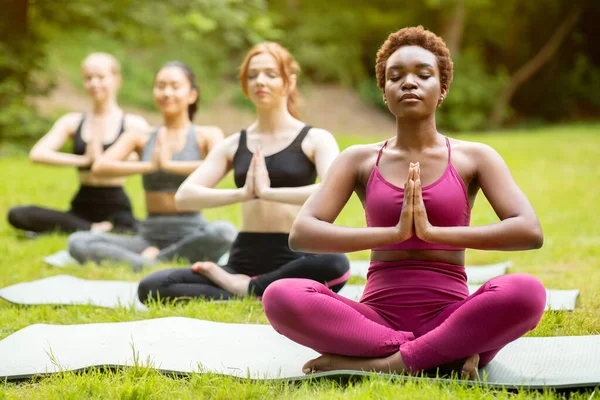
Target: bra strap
242, 143
78, 130
297, 143
379, 154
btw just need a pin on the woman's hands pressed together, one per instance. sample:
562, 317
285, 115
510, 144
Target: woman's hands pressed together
257, 178
161, 156
262, 182
413, 217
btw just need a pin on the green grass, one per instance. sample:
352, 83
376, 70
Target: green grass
556, 167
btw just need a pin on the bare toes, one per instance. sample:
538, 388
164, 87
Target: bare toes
197, 266
316, 365
470, 368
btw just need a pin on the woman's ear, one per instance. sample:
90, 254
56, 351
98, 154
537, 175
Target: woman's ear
118, 81
193, 97
292, 84
444, 91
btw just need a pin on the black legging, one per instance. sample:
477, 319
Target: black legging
90, 204
264, 256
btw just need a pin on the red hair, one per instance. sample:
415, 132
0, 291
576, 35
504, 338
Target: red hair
287, 67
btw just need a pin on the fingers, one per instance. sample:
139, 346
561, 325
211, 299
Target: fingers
409, 197
251, 173
408, 178
410, 172
252, 165
418, 196
260, 159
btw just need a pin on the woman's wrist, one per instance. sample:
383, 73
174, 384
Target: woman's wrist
268, 194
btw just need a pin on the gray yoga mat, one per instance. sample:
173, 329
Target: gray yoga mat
556, 300
185, 345
62, 259
66, 289
475, 273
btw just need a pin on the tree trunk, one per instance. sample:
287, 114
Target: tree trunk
454, 27
524, 73
15, 18
13, 28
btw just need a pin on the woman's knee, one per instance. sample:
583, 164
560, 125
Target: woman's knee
17, 216
338, 262
78, 244
224, 230
148, 288
527, 294
285, 297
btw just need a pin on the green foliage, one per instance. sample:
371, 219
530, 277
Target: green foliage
19, 122
472, 94
143, 35
334, 41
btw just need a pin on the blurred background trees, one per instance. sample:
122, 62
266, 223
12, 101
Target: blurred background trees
516, 61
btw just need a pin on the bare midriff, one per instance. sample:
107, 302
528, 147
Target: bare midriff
86, 178
267, 216
162, 203
455, 257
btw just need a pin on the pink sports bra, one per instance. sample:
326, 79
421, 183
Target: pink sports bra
446, 202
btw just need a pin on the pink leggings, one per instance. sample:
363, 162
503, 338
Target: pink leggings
431, 324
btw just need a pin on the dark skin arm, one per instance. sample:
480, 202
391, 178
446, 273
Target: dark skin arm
518, 228
313, 229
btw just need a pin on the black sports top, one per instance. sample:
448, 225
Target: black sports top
287, 168
79, 146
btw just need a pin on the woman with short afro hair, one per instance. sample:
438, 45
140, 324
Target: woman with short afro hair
417, 189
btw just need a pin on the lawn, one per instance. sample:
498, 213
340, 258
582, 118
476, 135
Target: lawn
556, 167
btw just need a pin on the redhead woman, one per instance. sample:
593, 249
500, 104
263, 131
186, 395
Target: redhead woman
275, 162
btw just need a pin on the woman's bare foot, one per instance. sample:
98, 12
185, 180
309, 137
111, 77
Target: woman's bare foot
234, 283
392, 364
332, 362
103, 226
466, 368
150, 252
470, 369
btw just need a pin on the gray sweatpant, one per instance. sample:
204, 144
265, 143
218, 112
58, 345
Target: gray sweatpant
188, 236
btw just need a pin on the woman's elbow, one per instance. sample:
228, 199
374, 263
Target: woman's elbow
183, 198
296, 238
180, 198
35, 155
535, 237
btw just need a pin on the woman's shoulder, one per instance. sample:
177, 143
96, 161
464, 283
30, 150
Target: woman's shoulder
362, 155
471, 148
70, 121
474, 154
136, 123
208, 130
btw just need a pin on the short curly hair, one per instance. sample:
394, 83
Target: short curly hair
415, 36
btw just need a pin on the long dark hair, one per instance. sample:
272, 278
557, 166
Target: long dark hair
191, 77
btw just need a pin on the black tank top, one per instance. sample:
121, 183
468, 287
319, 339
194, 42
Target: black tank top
79, 145
287, 168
